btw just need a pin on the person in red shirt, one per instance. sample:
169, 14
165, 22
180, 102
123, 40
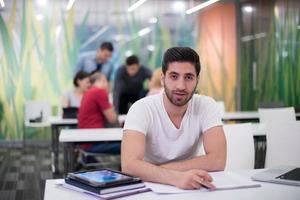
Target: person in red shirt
95, 111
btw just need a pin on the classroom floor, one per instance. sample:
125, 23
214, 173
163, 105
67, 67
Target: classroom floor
23, 172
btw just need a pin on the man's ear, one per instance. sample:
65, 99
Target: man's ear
162, 77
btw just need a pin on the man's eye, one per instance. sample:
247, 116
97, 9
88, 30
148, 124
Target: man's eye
173, 77
189, 78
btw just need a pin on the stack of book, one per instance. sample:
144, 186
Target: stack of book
105, 183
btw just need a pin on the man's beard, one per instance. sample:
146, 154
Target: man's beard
175, 101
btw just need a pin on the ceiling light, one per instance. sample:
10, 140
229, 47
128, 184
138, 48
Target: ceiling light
153, 20
200, 6
178, 6
128, 53
2, 3
151, 47
248, 9
144, 31
41, 2
39, 17
136, 5
70, 4
57, 31
118, 37
260, 35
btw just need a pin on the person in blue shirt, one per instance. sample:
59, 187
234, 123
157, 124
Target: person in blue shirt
92, 62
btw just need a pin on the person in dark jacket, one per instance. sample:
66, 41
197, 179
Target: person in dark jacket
128, 85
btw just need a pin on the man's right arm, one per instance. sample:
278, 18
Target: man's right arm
132, 158
110, 115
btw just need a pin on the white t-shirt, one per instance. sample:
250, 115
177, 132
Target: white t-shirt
164, 142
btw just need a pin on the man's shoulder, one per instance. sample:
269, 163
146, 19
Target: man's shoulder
148, 101
122, 68
87, 55
145, 69
97, 91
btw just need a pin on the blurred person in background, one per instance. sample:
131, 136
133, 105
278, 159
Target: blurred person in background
128, 87
92, 62
155, 85
95, 111
72, 98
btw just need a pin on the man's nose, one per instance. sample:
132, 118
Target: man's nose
181, 84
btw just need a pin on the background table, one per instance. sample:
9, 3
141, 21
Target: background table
71, 137
56, 124
245, 116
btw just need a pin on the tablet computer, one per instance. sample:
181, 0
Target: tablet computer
293, 175
289, 175
103, 177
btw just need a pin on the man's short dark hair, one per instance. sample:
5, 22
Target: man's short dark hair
107, 45
181, 54
132, 60
79, 76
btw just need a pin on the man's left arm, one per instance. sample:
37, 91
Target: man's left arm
214, 143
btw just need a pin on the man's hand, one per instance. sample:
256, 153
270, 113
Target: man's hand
193, 179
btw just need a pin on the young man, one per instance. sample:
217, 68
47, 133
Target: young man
97, 62
162, 132
95, 110
129, 81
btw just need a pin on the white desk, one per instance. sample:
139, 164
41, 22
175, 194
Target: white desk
240, 115
56, 123
244, 116
60, 121
91, 135
267, 191
70, 137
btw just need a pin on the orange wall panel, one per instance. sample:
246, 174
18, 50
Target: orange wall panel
217, 49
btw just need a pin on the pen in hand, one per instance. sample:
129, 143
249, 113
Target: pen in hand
206, 184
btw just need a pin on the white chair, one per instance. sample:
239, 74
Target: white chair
275, 114
283, 143
37, 114
240, 146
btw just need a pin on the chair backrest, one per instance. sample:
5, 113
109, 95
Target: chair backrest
283, 143
37, 108
276, 114
274, 104
240, 146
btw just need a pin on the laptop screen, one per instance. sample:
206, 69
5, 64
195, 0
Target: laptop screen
70, 113
293, 175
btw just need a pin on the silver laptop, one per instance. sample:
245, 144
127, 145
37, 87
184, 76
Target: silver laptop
282, 174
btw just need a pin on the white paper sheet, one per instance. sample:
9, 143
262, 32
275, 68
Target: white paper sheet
222, 181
